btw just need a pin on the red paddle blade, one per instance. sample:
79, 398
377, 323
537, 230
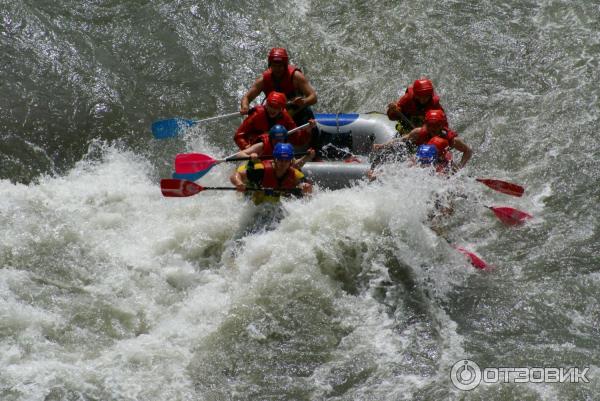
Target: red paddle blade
171, 187
190, 163
509, 215
503, 186
475, 260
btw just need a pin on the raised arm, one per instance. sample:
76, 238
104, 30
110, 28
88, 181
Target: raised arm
310, 154
303, 86
411, 136
257, 149
238, 178
252, 93
466, 152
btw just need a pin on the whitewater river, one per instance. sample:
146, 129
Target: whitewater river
109, 291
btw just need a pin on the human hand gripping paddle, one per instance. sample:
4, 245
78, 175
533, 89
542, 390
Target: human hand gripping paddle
175, 188
171, 127
193, 166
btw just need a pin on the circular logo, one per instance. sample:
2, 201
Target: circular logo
465, 375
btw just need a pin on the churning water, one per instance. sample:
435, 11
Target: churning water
108, 291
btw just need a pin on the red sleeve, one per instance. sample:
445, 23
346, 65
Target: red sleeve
264, 138
287, 120
422, 136
435, 100
241, 136
450, 136
404, 100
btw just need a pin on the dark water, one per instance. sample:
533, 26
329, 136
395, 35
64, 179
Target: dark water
110, 292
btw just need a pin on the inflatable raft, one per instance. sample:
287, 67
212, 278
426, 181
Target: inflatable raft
347, 133
355, 132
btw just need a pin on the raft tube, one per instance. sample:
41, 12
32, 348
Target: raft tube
353, 131
335, 175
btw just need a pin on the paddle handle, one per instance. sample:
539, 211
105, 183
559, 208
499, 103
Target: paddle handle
264, 157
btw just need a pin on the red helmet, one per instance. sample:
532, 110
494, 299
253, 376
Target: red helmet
278, 54
435, 116
423, 87
440, 143
277, 100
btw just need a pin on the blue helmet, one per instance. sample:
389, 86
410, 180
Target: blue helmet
283, 151
278, 133
426, 154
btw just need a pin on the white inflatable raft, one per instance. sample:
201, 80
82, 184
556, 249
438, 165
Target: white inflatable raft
355, 132
351, 132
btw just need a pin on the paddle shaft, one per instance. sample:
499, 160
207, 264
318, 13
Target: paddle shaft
298, 128
264, 157
237, 113
292, 190
183, 188
406, 120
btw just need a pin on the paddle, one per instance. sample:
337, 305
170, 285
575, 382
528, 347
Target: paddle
193, 166
505, 187
173, 126
406, 120
192, 163
475, 260
510, 216
174, 188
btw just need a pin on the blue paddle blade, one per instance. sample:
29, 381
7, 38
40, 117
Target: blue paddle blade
190, 176
169, 128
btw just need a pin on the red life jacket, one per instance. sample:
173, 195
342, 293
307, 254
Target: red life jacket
411, 108
285, 85
441, 144
267, 145
257, 123
444, 159
444, 165
270, 180
446, 134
